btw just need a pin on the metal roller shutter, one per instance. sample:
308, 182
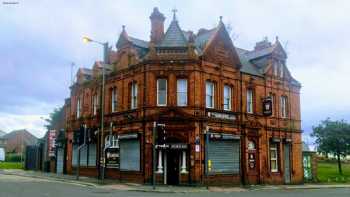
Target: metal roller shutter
60, 160
225, 156
83, 156
75, 155
92, 154
129, 155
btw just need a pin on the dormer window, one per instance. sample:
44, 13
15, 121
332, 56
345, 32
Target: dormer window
281, 70
275, 69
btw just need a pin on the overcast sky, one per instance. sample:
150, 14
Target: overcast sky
40, 39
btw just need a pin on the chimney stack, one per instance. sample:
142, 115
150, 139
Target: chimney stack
157, 26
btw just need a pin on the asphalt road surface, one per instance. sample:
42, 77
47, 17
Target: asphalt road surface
16, 186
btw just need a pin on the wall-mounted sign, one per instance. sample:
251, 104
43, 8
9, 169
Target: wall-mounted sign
172, 146
219, 115
223, 136
128, 136
267, 106
51, 142
112, 157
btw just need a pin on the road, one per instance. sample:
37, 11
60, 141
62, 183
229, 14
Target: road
16, 186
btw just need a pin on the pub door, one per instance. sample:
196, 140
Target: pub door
287, 175
253, 161
173, 167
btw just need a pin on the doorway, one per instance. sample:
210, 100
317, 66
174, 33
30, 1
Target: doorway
287, 163
173, 167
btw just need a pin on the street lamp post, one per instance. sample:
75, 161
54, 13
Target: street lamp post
105, 61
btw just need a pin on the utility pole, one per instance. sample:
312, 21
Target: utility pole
154, 154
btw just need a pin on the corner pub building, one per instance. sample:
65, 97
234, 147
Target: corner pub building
222, 114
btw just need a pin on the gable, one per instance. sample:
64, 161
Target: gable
220, 49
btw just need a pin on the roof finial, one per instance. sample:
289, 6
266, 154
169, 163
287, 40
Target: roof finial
123, 26
220, 18
174, 13
276, 38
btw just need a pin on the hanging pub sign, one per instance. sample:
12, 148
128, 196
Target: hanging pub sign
112, 157
267, 106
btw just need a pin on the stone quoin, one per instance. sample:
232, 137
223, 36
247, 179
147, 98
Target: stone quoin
227, 115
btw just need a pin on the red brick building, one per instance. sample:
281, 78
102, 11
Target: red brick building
227, 115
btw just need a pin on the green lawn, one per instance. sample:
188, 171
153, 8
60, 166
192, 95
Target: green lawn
11, 165
328, 172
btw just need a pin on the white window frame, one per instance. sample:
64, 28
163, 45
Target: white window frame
114, 97
209, 95
250, 102
275, 69
162, 92
112, 141
78, 107
94, 104
133, 95
272, 96
274, 148
281, 71
183, 93
284, 101
227, 98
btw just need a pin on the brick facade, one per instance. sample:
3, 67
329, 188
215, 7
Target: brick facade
208, 56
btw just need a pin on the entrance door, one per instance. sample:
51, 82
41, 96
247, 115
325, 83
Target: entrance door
173, 165
60, 160
287, 163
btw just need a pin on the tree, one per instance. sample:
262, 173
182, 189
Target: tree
333, 137
56, 118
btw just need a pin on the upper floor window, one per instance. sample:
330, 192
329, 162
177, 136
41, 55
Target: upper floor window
284, 101
94, 104
227, 97
78, 107
274, 157
209, 94
281, 70
275, 69
181, 92
161, 92
133, 95
114, 99
249, 101
272, 96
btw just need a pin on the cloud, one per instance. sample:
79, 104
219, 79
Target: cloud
32, 123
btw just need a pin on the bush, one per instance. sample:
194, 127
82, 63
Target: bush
10, 157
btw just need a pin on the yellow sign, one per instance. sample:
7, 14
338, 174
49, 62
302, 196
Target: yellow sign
209, 165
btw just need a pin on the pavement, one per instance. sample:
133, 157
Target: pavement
115, 185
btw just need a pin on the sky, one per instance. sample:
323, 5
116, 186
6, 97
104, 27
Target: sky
40, 39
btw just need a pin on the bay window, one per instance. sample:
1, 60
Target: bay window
274, 157
78, 108
161, 92
209, 94
94, 104
133, 95
227, 97
250, 101
181, 92
284, 106
114, 99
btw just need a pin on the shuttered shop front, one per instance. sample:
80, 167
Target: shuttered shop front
129, 152
224, 154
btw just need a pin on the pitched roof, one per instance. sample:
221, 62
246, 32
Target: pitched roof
247, 66
202, 39
138, 42
174, 37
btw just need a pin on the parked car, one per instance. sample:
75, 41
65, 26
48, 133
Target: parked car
2, 154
